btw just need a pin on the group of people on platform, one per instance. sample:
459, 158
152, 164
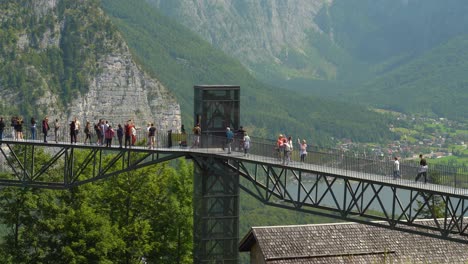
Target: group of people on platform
422, 169
285, 146
242, 138
126, 135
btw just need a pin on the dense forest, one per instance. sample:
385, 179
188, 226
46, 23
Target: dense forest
144, 213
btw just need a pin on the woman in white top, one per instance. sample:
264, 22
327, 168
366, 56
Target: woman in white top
303, 149
246, 144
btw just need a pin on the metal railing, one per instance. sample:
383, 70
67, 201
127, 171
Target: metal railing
266, 150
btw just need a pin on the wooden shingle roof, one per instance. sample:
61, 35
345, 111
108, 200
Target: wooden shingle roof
351, 243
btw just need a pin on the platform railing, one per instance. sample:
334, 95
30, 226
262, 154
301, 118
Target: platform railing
265, 150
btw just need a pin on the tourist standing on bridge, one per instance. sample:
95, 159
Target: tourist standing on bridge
196, 136
14, 121
2, 127
45, 127
104, 126
87, 131
97, 130
288, 148
422, 171
73, 132
280, 146
128, 133
396, 168
302, 149
239, 136
109, 135
56, 130
77, 127
134, 134
247, 144
152, 136
120, 134
229, 139
19, 129
33, 128
148, 140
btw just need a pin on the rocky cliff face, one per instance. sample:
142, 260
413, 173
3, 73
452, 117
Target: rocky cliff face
71, 62
255, 32
122, 91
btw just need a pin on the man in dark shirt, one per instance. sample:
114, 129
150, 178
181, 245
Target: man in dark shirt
45, 127
422, 171
151, 136
2, 127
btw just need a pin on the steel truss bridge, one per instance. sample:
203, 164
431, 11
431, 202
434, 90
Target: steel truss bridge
331, 185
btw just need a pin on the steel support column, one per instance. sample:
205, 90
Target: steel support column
216, 211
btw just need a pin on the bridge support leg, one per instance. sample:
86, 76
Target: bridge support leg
216, 213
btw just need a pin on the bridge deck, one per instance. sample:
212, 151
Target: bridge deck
407, 182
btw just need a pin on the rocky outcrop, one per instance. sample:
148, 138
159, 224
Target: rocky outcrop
253, 31
122, 91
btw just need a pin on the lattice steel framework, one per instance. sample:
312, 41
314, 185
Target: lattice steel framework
216, 211
21, 160
362, 201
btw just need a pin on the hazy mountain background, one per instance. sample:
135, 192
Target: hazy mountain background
180, 58
333, 64
405, 55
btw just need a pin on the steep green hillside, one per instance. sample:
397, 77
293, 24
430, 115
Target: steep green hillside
333, 48
435, 83
376, 31
180, 59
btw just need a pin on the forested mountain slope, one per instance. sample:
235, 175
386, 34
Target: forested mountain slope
181, 59
334, 47
435, 83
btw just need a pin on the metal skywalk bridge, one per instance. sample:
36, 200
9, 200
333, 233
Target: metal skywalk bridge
329, 184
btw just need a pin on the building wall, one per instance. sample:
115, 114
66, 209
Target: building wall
256, 255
